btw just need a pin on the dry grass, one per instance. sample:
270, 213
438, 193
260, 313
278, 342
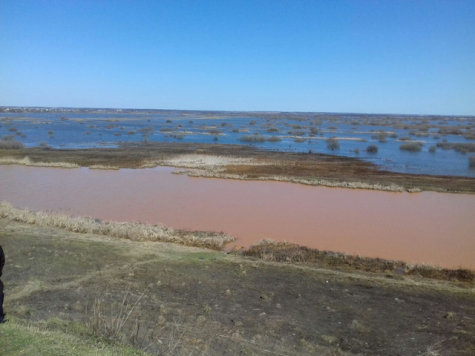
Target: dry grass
314, 182
276, 251
100, 166
130, 231
27, 162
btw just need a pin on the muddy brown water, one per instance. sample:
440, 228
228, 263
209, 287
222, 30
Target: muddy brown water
426, 227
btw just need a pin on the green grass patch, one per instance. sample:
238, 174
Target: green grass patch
17, 338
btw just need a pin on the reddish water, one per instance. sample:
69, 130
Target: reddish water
426, 227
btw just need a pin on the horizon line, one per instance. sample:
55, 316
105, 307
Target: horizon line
226, 111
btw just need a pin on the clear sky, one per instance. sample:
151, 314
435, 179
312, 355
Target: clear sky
402, 56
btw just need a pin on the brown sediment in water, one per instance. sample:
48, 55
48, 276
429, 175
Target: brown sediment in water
421, 228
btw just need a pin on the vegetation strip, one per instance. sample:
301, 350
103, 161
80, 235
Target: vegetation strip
277, 251
291, 166
313, 182
131, 231
27, 162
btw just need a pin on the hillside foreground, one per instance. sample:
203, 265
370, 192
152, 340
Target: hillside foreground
101, 295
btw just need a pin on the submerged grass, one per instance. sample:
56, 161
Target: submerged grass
124, 230
277, 251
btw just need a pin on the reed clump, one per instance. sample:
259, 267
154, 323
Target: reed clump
252, 138
460, 147
411, 147
333, 144
278, 251
124, 230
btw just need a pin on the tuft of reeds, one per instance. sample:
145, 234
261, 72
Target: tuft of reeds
450, 131
471, 161
333, 144
277, 251
460, 147
411, 147
27, 162
252, 138
215, 132
124, 230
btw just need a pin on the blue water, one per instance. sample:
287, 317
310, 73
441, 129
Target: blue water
94, 130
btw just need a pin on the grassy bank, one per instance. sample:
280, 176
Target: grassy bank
288, 166
130, 231
264, 249
275, 251
90, 292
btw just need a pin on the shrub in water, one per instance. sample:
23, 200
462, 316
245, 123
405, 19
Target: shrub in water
411, 147
214, 132
333, 144
252, 138
372, 149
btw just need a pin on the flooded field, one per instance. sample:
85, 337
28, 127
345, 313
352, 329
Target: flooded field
425, 227
444, 144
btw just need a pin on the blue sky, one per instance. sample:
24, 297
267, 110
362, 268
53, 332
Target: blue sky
412, 57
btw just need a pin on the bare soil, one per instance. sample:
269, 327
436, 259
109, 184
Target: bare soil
207, 302
286, 164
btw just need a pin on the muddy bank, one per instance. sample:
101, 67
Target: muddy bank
284, 164
419, 228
